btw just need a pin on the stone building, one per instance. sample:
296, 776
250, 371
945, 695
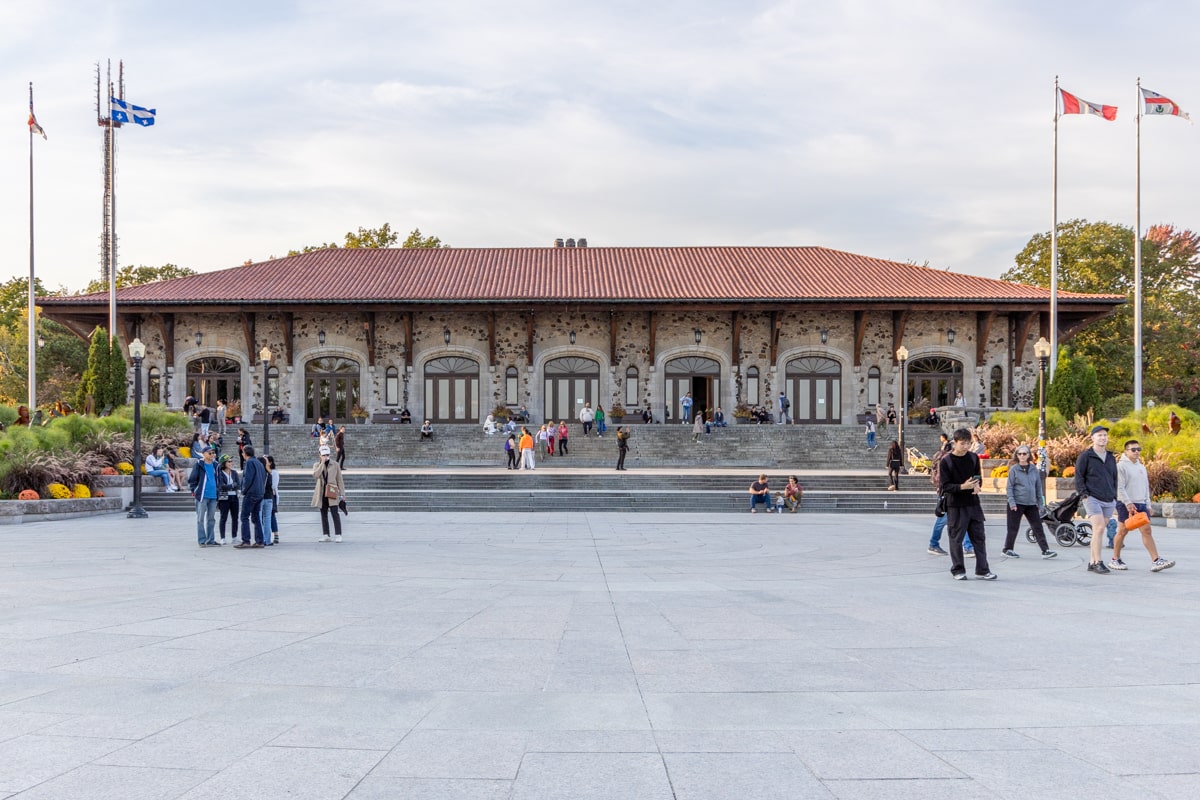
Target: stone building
452, 334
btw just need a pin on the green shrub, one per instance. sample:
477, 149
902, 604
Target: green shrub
8, 415
1117, 407
1027, 421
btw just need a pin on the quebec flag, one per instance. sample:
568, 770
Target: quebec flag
123, 112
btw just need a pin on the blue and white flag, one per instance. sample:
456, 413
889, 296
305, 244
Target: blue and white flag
123, 112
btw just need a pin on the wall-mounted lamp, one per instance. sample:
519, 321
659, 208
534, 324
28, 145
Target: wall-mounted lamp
699, 335
571, 336
824, 335
950, 336
321, 337
446, 335
41, 341
199, 338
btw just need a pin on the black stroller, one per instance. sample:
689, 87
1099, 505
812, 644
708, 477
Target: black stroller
1059, 518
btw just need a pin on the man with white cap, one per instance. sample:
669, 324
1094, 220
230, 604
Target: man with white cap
1096, 482
327, 493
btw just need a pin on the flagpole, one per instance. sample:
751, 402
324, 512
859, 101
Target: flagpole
1137, 255
1054, 245
112, 217
32, 321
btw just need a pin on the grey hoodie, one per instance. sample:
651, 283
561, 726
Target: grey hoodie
1024, 486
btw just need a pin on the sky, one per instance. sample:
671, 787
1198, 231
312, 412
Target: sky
914, 131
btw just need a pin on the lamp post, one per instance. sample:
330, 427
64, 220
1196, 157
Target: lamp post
1041, 349
902, 357
137, 351
265, 356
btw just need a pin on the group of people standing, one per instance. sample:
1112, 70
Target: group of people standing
245, 501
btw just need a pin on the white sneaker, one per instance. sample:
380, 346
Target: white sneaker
325, 538
337, 538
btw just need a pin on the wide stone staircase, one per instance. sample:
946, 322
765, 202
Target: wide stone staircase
389, 469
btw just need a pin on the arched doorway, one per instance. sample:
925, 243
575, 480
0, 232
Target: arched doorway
570, 382
696, 374
813, 385
452, 390
934, 380
214, 378
331, 388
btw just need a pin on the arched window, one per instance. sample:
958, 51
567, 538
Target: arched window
215, 378
814, 386
511, 386
752, 386
331, 388
452, 389
153, 386
996, 389
570, 382
632, 394
872, 388
934, 380
695, 375
272, 387
391, 387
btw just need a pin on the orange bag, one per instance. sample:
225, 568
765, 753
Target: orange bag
1136, 521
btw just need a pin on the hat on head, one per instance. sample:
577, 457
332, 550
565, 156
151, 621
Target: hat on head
324, 450
225, 458
1097, 428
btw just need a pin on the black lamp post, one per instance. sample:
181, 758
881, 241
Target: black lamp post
137, 351
902, 357
265, 356
1042, 350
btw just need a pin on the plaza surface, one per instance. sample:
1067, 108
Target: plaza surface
572, 655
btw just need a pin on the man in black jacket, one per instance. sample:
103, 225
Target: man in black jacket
1096, 482
254, 484
960, 480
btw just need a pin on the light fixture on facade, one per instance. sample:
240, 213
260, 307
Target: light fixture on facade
824, 335
199, 338
446, 335
950, 336
321, 337
41, 341
699, 335
571, 336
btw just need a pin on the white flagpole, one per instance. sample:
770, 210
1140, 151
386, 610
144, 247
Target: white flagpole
1054, 245
1137, 255
32, 321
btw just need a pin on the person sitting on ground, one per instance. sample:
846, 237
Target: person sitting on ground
174, 464
156, 466
317, 427
405, 417
427, 430
278, 417
199, 445
932, 417
891, 414
510, 426
760, 492
489, 425
793, 494
522, 415
719, 418
647, 417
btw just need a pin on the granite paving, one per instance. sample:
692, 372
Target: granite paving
588, 655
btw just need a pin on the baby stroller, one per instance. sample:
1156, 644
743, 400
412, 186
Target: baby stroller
1059, 520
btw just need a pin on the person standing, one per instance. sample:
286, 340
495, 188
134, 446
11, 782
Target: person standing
551, 435
1096, 482
895, 459
961, 480
243, 441
254, 478
339, 444
563, 434
203, 483
525, 445
541, 440
510, 450
871, 433
881, 418
1133, 495
686, 404
586, 415
601, 428
204, 416
785, 405
228, 481
222, 410
267, 506
327, 493
622, 446
760, 492
1026, 496
698, 427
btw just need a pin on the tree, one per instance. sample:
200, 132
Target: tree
1097, 257
380, 237
1075, 389
104, 378
415, 239
115, 393
136, 276
14, 300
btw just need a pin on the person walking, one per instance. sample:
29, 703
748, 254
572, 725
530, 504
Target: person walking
563, 435
267, 508
601, 428
551, 435
870, 433
622, 446
698, 427
328, 492
254, 478
525, 445
785, 406
339, 444
960, 480
686, 404
895, 458
586, 415
1096, 482
1133, 495
228, 482
203, 483
1026, 496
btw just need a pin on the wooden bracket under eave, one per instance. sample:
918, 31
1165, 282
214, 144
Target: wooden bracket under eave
899, 323
248, 333
983, 329
369, 332
168, 335
860, 334
1024, 323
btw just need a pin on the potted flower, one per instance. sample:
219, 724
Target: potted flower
359, 413
233, 412
617, 412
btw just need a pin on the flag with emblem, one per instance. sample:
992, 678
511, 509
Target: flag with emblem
124, 112
1155, 105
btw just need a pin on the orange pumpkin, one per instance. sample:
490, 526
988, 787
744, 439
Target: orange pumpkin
97, 493
1196, 497
29, 494
109, 471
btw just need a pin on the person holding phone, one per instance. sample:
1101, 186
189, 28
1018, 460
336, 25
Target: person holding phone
327, 493
960, 478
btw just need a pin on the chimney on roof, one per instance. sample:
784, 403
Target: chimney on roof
581, 242
570, 242
558, 242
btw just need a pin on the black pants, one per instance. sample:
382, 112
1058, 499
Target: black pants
621, 451
894, 475
328, 508
341, 458
512, 458
250, 516
960, 522
229, 509
1014, 524
587, 427
562, 446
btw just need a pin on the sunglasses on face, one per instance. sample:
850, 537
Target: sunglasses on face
1022, 453
1135, 449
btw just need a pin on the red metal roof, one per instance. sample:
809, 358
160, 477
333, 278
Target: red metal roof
621, 274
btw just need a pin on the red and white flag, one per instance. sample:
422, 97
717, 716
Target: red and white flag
1077, 105
33, 123
1157, 105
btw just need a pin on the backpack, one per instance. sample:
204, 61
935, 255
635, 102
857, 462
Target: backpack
935, 476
